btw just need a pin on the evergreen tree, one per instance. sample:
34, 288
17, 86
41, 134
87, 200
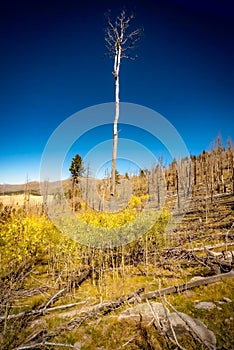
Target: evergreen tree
77, 169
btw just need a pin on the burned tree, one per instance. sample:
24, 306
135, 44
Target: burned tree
119, 42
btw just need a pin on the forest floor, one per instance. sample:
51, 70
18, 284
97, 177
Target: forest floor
84, 313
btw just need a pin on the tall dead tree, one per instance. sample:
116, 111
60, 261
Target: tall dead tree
231, 163
119, 42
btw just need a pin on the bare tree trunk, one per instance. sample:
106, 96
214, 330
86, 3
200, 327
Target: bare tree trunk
87, 189
195, 171
211, 178
177, 188
232, 170
120, 43
73, 195
27, 196
115, 126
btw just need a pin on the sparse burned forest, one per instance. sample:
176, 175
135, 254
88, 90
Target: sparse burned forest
170, 288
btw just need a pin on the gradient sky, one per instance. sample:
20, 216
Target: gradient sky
53, 64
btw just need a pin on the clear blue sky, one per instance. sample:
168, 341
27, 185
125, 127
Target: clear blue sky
52, 64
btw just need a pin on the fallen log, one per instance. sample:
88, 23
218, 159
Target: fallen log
102, 309
81, 278
95, 311
199, 249
39, 312
225, 255
210, 247
45, 344
42, 309
188, 285
135, 297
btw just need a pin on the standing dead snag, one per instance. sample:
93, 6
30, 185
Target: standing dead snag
119, 42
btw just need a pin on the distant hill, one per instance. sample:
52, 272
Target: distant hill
33, 187
206, 175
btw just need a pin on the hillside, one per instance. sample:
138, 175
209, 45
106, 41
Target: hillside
56, 292
32, 187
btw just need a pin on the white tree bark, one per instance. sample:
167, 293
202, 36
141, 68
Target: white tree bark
119, 43
116, 119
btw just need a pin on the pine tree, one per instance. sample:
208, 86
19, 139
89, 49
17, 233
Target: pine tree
77, 170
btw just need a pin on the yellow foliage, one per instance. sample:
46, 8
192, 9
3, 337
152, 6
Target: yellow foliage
135, 202
32, 239
111, 220
108, 220
26, 239
144, 197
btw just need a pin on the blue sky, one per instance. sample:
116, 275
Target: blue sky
53, 65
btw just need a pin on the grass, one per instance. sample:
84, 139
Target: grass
62, 260
107, 332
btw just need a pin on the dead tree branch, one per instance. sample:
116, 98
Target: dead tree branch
42, 344
45, 307
95, 311
102, 309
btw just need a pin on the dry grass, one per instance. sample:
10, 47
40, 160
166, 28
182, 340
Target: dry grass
20, 200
